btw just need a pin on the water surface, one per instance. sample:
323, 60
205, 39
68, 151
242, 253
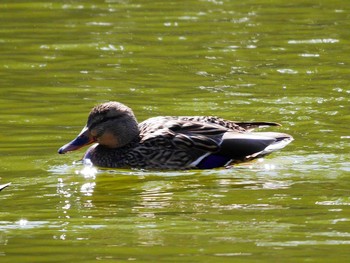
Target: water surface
243, 60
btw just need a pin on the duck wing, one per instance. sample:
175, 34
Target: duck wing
156, 122
254, 144
242, 147
182, 133
207, 144
232, 125
249, 126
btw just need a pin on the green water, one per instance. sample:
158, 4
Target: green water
262, 60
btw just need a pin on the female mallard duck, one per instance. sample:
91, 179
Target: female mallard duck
196, 142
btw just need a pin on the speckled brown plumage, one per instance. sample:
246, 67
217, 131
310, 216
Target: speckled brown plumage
171, 142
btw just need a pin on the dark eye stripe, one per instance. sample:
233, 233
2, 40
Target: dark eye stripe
105, 119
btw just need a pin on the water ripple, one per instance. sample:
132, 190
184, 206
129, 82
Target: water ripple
315, 41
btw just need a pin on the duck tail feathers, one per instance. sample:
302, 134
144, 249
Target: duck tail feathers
245, 146
281, 141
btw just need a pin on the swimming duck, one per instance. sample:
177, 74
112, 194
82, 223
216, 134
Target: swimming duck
168, 142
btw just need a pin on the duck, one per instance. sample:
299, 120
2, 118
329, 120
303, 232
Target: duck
170, 142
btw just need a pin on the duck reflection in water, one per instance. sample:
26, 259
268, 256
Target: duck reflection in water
168, 142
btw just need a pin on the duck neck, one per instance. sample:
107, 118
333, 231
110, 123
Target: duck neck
126, 132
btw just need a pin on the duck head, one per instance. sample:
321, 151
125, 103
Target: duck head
111, 124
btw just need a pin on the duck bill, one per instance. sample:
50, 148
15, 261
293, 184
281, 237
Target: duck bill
84, 138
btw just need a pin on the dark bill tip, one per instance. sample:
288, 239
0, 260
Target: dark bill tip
80, 141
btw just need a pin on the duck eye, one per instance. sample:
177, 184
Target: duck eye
95, 134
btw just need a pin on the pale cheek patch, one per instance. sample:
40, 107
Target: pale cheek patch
108, 139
